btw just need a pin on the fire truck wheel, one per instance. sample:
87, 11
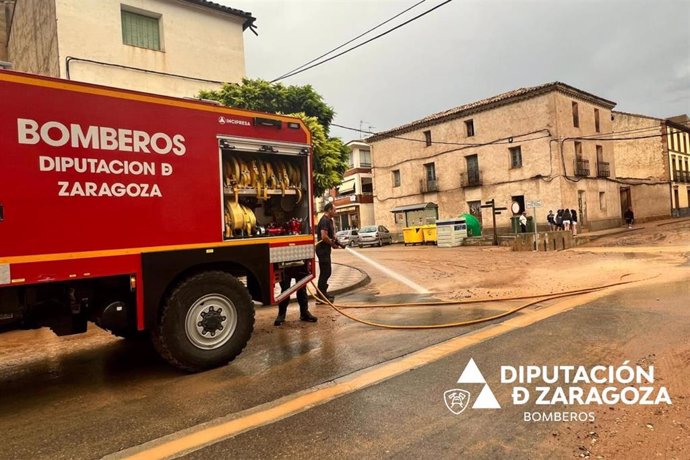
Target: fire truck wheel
205, 322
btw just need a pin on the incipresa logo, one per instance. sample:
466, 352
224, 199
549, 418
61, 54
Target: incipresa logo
232, 121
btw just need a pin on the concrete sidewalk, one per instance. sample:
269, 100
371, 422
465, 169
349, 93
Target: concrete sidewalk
344, 278
591, 236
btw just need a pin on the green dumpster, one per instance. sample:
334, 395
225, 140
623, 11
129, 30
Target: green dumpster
474, 227
413, 235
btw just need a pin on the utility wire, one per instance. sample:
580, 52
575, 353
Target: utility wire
350, 41
363, 43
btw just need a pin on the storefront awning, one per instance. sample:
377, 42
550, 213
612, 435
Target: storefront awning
414, 207
347, 186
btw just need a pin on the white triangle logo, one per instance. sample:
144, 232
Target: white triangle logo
486, 400
471, 374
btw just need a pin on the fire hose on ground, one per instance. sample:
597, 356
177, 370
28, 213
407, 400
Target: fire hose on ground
539, 299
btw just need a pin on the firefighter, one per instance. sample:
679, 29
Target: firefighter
297, 273
326, 241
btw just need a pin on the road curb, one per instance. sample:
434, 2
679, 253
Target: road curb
363, 282
584, 238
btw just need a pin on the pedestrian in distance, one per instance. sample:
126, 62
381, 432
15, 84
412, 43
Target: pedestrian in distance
559, 220
298, 273
573, 221
629, 217
550, 219
326, 241
523, 222
567, 217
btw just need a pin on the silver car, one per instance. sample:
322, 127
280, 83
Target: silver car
347, 237
374, 235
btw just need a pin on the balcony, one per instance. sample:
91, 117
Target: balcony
603, 169
428, 186
581, 167
344, 200
681, 176
472, 178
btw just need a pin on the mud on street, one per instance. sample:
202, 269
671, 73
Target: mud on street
90, 395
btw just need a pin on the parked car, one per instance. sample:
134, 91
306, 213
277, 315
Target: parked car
347, 237
374, 235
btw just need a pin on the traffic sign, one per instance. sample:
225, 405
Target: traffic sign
534, 204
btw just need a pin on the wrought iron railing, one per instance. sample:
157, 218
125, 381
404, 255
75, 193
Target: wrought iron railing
603, 169
429, 185
471, 178
581, 167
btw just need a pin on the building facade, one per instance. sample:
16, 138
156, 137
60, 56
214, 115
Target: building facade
171, 47
678, 141
539, 143
354, 196
6, 8
643, 165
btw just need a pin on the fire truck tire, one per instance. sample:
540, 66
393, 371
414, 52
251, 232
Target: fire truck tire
205, 322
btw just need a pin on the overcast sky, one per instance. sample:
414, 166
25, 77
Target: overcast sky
635, 53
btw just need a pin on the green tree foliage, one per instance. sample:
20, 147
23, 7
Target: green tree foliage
330, 154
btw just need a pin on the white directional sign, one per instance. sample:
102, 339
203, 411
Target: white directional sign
534, 204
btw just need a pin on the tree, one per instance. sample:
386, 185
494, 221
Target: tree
330, 154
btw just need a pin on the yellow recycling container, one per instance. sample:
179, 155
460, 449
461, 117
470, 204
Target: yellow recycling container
413, 235
429, 232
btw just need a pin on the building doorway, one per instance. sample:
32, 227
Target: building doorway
581, 207
626, 200
676, 199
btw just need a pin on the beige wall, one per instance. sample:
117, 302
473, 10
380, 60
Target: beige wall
642, 164
5, 16
33, 42
640, 158
540, 177
196, 42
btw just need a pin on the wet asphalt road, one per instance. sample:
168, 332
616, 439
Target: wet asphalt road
405, 417
89, 396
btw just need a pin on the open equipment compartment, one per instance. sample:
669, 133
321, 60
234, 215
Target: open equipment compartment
264, 188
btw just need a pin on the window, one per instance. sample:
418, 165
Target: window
602, 201
600, 154
365, 158
367, 186
427, 137
475, 208
576, 116
396, 178
515, 157
141, 30
430, 171
469, 126
578, 150
350, 162
596, 120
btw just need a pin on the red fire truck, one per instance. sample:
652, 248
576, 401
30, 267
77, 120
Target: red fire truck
147, 214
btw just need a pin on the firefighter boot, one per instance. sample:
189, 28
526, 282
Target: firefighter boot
304, 314
280, 319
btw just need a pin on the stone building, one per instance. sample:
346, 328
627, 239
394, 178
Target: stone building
354, 196
171, 47
654, 164
6, 7
537, 143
